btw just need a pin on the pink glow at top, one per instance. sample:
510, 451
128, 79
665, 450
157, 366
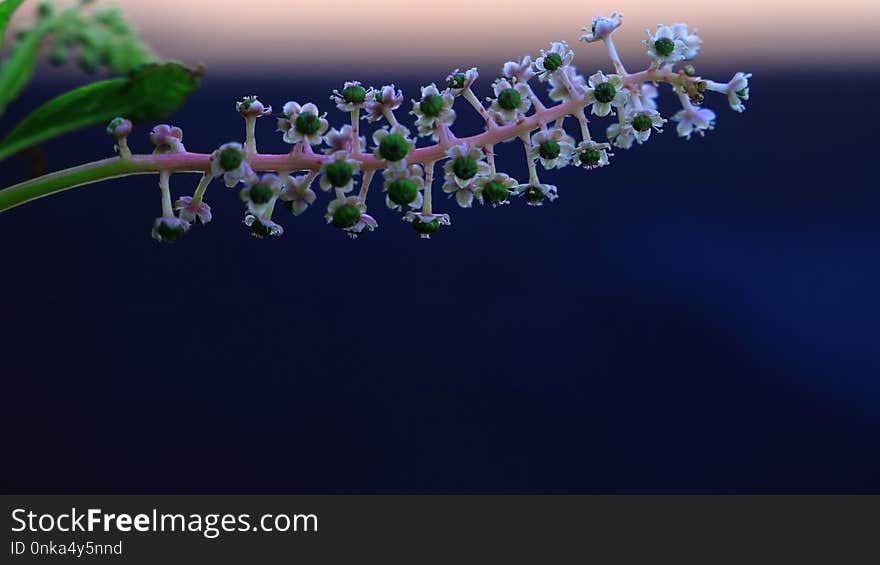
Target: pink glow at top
277, 34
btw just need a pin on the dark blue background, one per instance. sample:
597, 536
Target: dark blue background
698, 317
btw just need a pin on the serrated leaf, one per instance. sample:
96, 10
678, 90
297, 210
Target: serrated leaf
6, 9
150, 93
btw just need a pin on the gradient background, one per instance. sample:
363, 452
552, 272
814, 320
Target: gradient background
698, 317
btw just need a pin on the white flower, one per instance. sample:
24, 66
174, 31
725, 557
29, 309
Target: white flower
296, 195
691, 41
693, 119
399, 185
602, 27
304, 123
643, 122
591, 155
433, 109
350, 215
457, 81
464, 165
552, 147
738, 90
426, 224
519, 72
262, 227
664, 47
338, 172
340, 140
169, 228
167, 139
250, 106
385, 99
649, 96
353, 95
494, 189
510, 101
536, 193
191, 211
605, 91
260, 191
394, 152
559, 86
230, 162
558, 57
621, 136
464, 195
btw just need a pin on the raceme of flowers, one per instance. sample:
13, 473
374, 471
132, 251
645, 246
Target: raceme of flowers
406, 147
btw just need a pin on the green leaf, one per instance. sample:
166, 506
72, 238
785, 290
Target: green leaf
6, 9
18, 67
150, 93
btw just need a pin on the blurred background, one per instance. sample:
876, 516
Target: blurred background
697, 317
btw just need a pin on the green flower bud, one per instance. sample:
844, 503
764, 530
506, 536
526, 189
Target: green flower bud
346, 216
590, 157
426, 228
494, 192
170, 231
456, 81
549, 150
552, 61
431, 105
464, 167
393, 147
605, 92
230, 159
403, 191
307, 123
339, 173
354, 94
641, 123
664, 46
261, 193
509, 99
534, 194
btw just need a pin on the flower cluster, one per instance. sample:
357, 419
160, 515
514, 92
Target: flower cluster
344, 162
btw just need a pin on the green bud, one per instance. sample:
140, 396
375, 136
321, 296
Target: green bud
339, 173
354, 94
307, 123
346, 216
230, 159
170, 232
664, 46
605, 92
431, 105
590, 157
509, 99
393, 147
494, 192
426, 228
689, 70
261, 193
549, 150
456, 81
534, 194
403, 191
464, 167
552, 61
641, 123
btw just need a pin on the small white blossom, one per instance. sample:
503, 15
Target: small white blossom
621, 135
558, 57
167, 139
383, 132
664, 47
510, 101
304, 123
296, 194
500, 178
465, 164
361, 221
353, 95
691, 41
692, 119
191, 211
559, 91
457, 81
260, 191
649, 96
464, 195
433, 109
552, 147
591, 154
262, 227
230, 162
738, 91
605, 91
643, 122
535, 193
413, 173
338, 172
385, 99
519, 72
169, 228
602, 27
250, 106
430, 218
340, 140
